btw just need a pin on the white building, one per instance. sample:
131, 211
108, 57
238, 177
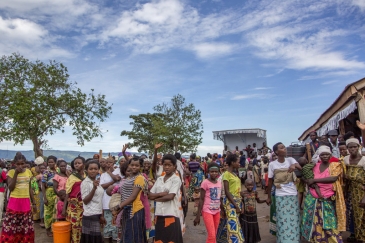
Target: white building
241, 138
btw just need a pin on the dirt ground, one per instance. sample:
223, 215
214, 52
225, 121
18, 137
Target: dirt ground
197, 234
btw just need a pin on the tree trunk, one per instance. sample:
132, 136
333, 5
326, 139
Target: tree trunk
37, 147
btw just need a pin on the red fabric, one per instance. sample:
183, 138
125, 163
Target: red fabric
17, 227
266, 179
334, 159
19, 204
76, 191
211, 222
2, 179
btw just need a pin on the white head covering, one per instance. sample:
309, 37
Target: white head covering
39, 160
352, 140
324, 149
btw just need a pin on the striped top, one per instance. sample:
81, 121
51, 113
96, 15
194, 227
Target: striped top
194, 166
127, 189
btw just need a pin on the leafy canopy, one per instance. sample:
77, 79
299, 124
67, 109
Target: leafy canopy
178, 125
38, 99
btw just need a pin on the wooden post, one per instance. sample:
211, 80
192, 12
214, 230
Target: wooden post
361, 110
341, 126
100, 154
309, 154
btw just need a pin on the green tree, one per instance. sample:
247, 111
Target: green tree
176, 124
38, 99
146, 131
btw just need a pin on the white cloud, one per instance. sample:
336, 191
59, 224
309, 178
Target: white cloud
249, 96
206, 50
329, 82
27, 38
359, 3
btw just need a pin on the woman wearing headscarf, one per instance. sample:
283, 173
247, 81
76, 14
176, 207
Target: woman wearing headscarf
355, 181
324, 217
37, 192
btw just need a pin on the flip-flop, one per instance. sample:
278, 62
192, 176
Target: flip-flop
42, 225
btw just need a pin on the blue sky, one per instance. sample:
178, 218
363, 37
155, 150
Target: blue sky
273, 64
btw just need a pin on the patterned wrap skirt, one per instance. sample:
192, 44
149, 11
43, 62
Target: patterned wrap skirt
74, 216
273, 216
50, 208
17, 222
91, 229
133, 229
110, 230
319, 222
37, 201
234, 231
168, 230
287, 219
222, 231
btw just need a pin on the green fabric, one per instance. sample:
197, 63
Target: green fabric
307, 171
328, 211
234, 183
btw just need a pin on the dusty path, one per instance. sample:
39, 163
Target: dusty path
197, 234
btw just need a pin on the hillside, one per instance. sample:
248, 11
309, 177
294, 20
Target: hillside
66, 155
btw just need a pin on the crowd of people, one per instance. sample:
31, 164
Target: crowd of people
144, 199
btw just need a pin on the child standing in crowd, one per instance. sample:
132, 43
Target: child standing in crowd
60, 204
133, 225
49, 196
251, 175
17, 225
59, 181
92, 198
73, 201
248, 219
108, 177
166, 193
196, 197
265, 164
300, 182
209, 203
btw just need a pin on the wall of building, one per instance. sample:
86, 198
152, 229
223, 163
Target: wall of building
242, 140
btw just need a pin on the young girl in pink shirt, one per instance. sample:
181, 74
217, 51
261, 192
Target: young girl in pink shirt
209, 204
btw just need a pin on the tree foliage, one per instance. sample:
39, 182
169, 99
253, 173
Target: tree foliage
178, 125
38, 99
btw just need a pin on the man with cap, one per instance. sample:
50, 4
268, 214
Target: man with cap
333, 134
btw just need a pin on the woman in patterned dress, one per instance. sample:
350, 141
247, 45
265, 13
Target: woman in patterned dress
17, 223
355, 184
232, 201
73, 207
49, 196
324, 217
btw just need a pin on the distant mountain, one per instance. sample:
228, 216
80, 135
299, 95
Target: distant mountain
66, 155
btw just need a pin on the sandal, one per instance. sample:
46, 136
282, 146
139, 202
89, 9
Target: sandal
42, 225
